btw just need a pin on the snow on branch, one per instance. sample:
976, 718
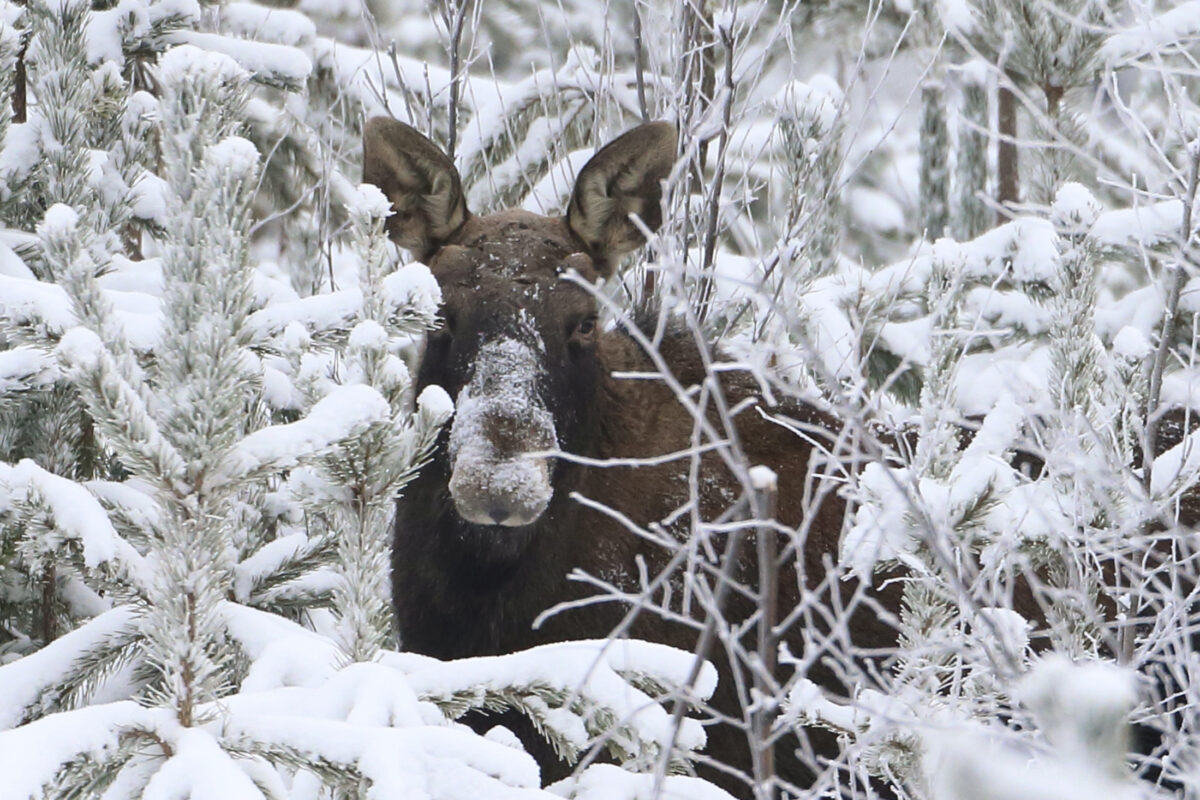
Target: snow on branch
573, 691
28, 686
119, 409
31, 756
73, 513
273, 64
337, 416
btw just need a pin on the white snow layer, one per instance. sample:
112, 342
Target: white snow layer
72, 513
337, 416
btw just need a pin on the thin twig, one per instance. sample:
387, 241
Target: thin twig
1170, 315
639, 64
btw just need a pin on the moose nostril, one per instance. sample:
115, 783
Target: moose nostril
498, 515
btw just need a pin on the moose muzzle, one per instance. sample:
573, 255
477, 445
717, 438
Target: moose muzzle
500, 424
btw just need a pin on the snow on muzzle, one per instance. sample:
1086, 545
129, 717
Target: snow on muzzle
499, 419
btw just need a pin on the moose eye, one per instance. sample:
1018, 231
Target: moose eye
583, 332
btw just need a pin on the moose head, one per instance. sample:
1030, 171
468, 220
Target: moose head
518, 346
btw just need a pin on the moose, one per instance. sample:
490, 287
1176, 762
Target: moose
550, 407
486, 534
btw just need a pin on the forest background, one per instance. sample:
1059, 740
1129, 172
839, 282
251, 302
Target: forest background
920, 215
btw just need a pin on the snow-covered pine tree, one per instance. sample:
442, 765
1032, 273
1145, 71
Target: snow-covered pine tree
212, 527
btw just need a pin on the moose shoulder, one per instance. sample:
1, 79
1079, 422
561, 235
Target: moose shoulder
487, 533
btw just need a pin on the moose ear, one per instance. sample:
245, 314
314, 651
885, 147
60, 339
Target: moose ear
623, 178
419, 179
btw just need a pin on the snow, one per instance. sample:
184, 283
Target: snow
1075, 209
234, 155
281, 652
590, 669
25, 683
279, 392
435, 402
1151, 34
763, 479
318, 313
609, 782
81, 348
199, 769
31, 755
875, 210
337, 416
964, 759
22, 150
369, 201
132, 497
1177, 467
817, 102
125, 275
1140, 226
23, 367
265, 561
58, 222
1131, 343
149, 200
421, 762
489, 468
187, 62
275, 64
72, 513
1026, 249
1008, 629
381, 718
11, 265
267, 24
1077, 702
368, 334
